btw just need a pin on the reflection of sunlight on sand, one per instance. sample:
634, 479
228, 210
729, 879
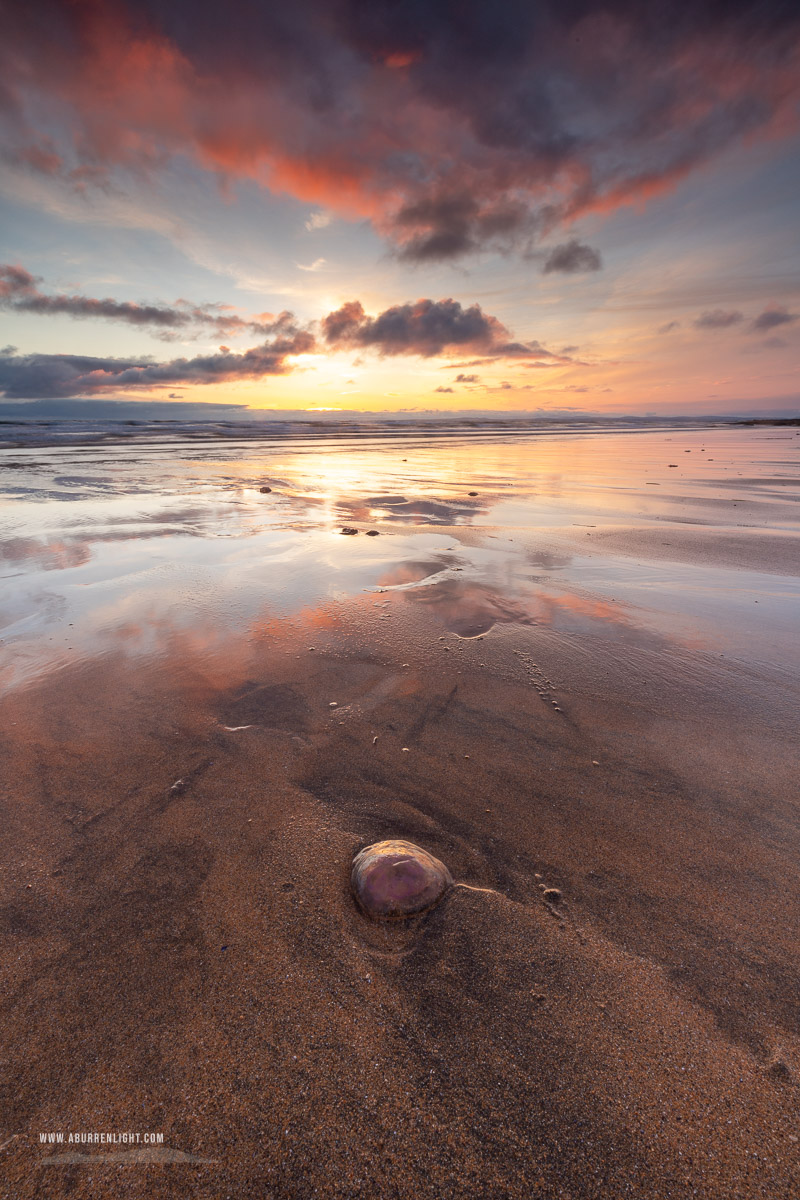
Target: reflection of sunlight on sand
187, 547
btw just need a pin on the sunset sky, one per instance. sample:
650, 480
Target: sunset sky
364, 205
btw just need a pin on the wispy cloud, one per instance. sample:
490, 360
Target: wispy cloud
318, 220
717, 318
773, 318
20, 292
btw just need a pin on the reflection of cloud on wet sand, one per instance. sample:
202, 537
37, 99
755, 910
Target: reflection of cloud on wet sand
75, 550
402, 574
53, 555
469, 609
417, 510
548, 560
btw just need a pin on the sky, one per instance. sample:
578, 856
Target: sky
363, 205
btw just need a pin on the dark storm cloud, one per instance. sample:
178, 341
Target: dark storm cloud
450, 127
572, 258
772, 318
717, 318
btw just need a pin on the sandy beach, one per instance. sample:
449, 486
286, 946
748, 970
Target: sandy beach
583, 677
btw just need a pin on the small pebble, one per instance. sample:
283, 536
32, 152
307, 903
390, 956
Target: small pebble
333, 704
551, 896
264, 490
347, 529
406, 750
373, 533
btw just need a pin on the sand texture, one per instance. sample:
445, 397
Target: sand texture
212, 715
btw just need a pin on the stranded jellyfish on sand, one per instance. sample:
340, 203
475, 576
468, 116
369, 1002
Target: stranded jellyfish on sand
395, 879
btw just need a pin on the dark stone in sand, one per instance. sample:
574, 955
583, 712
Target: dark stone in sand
396, 879
373, 533
551, 895
347, 529
779, 1068
472, 493
264, 490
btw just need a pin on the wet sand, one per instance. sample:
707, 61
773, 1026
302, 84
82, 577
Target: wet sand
193, 688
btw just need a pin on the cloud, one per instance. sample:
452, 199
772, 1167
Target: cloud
19, 292
669, 327
572, 258
453, 224
443, 389
40, 376
318, 220
317, 265
717, 318
426, 328
450, 128
772, 318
